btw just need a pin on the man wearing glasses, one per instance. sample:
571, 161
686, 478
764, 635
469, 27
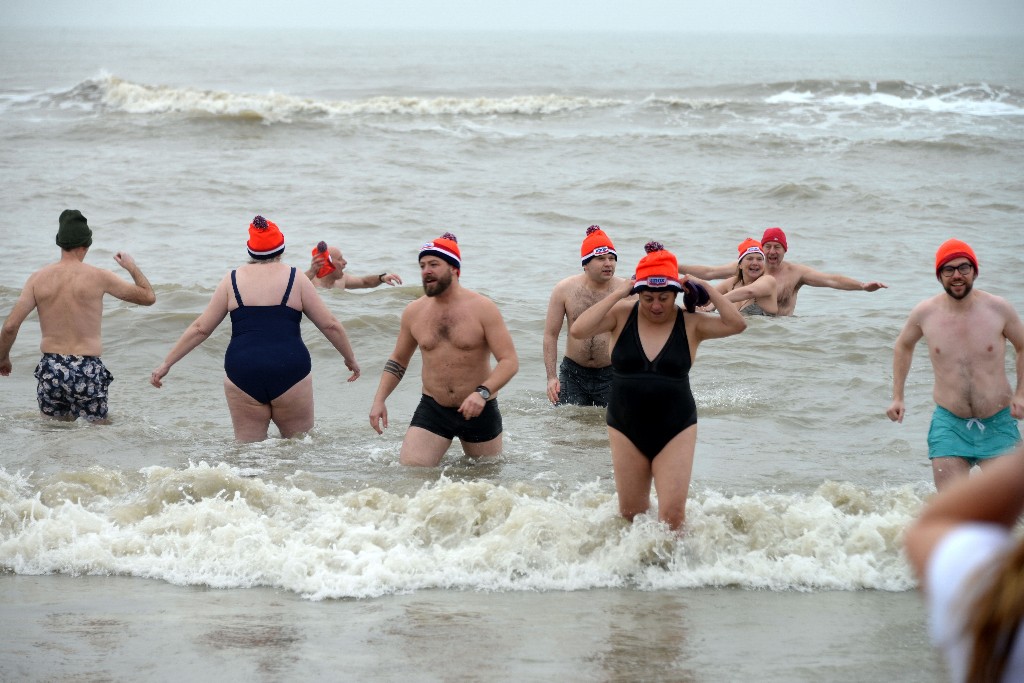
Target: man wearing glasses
966, 329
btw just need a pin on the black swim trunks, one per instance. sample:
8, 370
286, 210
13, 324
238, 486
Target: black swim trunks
583, 386
449, 422
72, 386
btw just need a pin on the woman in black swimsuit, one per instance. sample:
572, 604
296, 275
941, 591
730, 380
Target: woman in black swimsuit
652, 418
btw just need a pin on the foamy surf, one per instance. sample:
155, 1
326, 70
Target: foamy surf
212, 526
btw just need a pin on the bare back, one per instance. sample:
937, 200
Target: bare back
967, 347
453, 343
69, 298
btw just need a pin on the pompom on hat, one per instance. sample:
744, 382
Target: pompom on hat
74, 230
265, 239
774, 235
445, 247
749, 246
660, 270
951, 249
596, 243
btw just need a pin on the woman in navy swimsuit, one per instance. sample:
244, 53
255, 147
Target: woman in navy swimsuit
267, 365
652, 417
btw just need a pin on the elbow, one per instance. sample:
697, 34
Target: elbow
740, 326
148, 299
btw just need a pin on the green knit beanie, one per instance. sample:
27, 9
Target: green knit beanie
74, 230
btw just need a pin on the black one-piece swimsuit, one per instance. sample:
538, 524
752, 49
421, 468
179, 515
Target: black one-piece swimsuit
651, 401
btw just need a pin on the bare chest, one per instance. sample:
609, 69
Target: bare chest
580, 299
447, 330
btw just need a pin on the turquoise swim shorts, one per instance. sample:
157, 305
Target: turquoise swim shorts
971, 438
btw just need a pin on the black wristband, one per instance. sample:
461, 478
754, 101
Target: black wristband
381, 276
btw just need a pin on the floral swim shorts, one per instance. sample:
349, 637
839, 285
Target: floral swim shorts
72, 386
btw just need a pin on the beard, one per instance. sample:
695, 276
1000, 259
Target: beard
967, 290
438, 286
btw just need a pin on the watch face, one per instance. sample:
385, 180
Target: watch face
483, 392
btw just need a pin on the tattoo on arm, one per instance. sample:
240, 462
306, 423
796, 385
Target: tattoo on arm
395, 369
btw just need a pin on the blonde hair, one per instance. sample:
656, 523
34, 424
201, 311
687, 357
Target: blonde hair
996, 618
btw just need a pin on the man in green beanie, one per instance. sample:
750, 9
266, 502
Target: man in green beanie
69, 294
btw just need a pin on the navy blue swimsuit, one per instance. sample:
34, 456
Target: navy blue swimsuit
266, 356
651, 401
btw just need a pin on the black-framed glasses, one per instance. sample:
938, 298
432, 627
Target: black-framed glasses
964, 268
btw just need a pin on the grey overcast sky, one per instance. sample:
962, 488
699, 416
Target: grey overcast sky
745, 16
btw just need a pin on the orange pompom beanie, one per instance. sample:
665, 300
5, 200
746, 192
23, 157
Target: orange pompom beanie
658, 269
446, 247
952, 249
265, 240
596, 243
749, 246
774, 235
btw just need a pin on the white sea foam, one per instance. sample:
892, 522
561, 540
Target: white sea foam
207, 525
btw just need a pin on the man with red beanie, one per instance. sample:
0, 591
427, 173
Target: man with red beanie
966, 330
457, 331
790, 277
327, 271
584, 377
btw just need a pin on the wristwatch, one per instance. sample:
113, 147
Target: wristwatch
483, 391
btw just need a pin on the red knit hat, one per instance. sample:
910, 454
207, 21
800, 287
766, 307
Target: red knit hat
749, 246
446, 247
952, 249
658, 270
596, 243
265, 240
774, 235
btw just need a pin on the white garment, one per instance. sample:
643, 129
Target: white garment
953, 587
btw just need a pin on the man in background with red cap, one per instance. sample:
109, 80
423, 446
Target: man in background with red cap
335, 277
966, 330
73, 381
584, 377
457, 331
789, 277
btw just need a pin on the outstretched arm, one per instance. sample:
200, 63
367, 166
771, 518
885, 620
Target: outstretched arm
370, 281
816, 278
709, 272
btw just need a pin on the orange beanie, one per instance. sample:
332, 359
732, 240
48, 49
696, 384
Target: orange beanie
596, 243
447, 247
265, 240
749, 246
658, 269
952, 249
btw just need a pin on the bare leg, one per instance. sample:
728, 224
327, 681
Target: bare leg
672, 470
249, 417
632, 475
482, 449
423, 448
292, 411
948, 469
